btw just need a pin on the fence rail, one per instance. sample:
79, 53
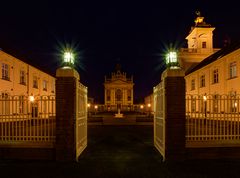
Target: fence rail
212, 120
27, 120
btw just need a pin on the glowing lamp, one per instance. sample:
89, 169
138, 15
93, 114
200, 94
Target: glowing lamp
149, 105
96, 106
68, 58
141, 106
31, 99
88, 105
235, 104
171, 59
205, 98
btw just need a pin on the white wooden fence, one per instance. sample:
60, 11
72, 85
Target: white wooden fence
212, 120
27, 121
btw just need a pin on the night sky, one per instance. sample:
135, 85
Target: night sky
104, 33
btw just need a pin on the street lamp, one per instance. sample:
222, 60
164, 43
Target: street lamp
33, 109
141, 107
31, 99
235, 105
149, 105
205, 106
68, 58
95, 107
172, 60
88, 105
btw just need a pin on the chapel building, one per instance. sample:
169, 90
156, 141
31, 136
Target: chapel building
118, 91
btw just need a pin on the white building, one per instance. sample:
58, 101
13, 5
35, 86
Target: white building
217, 74
18, 80
199, 44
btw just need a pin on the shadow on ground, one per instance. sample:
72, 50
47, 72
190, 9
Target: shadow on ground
120, 151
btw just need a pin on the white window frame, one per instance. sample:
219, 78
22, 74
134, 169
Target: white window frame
215, 76
22, 77
204, 44
202, 81
45, 85
5, 71
233, 70
35, 82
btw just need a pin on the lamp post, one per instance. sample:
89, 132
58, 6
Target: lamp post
68, 58
149, 106
96, 107
32, 107
88, 106
205, 107
141, 107
171, 59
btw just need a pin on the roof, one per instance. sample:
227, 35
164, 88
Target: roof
28, 63
219, 54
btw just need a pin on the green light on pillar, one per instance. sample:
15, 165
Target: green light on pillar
68, 58
171, 59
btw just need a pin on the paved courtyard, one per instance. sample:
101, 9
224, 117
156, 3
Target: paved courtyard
120, 151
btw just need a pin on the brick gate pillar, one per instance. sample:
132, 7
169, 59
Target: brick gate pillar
66, 113
174, 112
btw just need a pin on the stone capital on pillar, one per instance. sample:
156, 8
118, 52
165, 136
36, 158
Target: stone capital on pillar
173, 72
67, 72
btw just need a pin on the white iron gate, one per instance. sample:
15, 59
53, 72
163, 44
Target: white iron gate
81, 122
159, 122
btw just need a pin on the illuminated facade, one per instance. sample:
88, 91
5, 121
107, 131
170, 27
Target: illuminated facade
213, 83
18, 80
118, 91
199, 44
218, 74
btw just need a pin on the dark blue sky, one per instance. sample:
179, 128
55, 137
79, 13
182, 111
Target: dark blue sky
104, 33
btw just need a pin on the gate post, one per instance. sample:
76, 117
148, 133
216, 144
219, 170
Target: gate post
66, 113
174, 113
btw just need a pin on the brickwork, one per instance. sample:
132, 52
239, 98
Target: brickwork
174, 118
66, 118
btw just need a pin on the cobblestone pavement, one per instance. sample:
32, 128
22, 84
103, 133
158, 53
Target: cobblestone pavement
120, 151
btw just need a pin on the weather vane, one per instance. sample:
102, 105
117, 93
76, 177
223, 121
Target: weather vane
198, 13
